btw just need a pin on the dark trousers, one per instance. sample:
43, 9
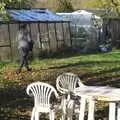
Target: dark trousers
23, 52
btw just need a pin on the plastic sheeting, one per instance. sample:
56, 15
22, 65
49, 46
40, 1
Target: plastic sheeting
34, 15
80, 17
85, 29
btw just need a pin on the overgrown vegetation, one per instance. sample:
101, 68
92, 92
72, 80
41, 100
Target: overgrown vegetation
64, 6
9, 4
110, 7
93, 69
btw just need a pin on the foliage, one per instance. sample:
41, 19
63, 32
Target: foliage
116, 6
2, 10
13, 4
91, 46
79, 35
50, 4
111, 6
96, 22
18, 3
92, 4
64, 6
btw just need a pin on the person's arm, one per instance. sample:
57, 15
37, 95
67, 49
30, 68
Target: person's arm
28, 36
38, 40
18, 37
30, 41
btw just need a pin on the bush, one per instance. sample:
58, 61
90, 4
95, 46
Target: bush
79, 35
91, 46
64, 6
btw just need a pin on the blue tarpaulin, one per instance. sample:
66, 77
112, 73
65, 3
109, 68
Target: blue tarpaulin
24, 15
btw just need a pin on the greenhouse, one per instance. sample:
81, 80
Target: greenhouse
85, 26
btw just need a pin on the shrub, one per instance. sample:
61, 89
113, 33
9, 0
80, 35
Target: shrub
91, 46
64, 6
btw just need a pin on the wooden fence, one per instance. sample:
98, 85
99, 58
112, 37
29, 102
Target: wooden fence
111, 30
49, 37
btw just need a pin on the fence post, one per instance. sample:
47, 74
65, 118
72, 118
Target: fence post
56, 35
10, 44
48, 38
32, 53
70, 34
39, 32
63, 32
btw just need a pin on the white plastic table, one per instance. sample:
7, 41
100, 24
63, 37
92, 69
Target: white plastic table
95, 93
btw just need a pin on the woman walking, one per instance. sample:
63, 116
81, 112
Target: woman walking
25, 45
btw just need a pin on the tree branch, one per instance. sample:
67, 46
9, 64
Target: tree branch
116, 4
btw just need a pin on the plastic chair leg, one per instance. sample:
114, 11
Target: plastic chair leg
52, 115
91, 109
112, 111
70, 108
63, 117
33, 114
36, 115
82, 108
64, 102
63, 106
118, 111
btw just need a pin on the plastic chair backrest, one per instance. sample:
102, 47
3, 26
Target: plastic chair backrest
42, 93
67, 82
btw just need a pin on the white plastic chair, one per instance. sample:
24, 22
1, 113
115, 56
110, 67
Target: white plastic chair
66, 83
41, 93
69, 82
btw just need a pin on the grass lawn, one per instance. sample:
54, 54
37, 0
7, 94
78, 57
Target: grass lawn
93, 69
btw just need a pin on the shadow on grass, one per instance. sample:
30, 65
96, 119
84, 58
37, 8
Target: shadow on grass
67, 53
104, 81
73, 53
85, 63
19, 106
14, 104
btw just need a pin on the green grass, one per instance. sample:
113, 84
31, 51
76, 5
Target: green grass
93, 69
106, 63
100, 64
